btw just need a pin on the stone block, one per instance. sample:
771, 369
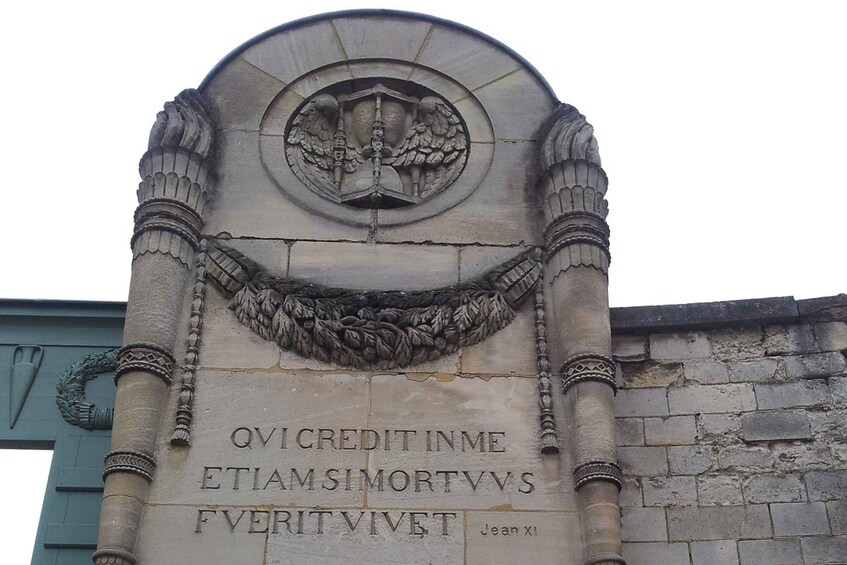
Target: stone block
770, 552
374, 267
629, 348
777, 425
802, 456
656, 553
731, 345
789, 340
719, 490
824, 549
719, 428
815, 366
669, 491
706, 372
675, 430
643, 461
691, 460
651, 374
826, 485
757, 370
629, 431
631, 492
719, 522
475, 261
832, 336
837, 512
641, 402
227, 344
774, 488
789, 395
496, 538
746, 459
838, 387
678, 346
699, 399
399, 38
643, 524
510, 351
799, 519
720, 552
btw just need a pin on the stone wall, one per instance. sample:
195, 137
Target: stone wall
733, 436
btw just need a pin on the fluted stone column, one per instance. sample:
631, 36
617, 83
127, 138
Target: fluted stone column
577, 261
168, 220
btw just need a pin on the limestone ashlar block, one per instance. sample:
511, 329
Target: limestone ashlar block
827, 485
643, 461
643, 524
653, 553
496, 538
699, 399
641, 402
757, 370
777, 425
691, 460
815, 366
670, 491
383, 38
706, 372
790, 340
736, 344
791, 394
716, 523
676, 430
510, 351
720, 552
256, 90
770, 552
629, 431
802, 456
799, 519
719, 490
677, 346
651, 374
837, 512
760, 489
824, 549
631, 348
831, 336
746, 459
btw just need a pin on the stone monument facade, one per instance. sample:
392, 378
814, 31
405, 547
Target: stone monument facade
368, 319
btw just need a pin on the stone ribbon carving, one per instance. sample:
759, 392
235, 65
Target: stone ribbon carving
370, 329
377, 147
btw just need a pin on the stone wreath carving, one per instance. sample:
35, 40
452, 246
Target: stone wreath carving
370, 329
377, 147
70, 397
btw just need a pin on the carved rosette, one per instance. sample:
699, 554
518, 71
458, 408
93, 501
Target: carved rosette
147, 357
174, 180
130, 461
574, 187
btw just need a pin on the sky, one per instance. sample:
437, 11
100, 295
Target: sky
721, 126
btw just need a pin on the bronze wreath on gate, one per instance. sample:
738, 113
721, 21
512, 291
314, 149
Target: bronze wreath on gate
70, 398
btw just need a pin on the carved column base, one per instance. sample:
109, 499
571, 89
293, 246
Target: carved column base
108, 556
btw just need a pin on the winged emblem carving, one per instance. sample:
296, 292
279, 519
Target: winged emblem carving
377, 147
370, 329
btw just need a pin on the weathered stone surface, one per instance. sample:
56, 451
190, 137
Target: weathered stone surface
699, 399
789, 340
730, 345
691, 460
718, 428
799, 519
511, 351
676, 430
757, 370
838, 387
824, 549
641, 461
654, 553
837, 512
799, 456
746, 459
497, 537
815, 366
629, 348
643, 524
770, 552
831, 336
706, 372
826, 485
631, 493
721, 552
778, 425
715, 523
641, 402
651, 374
630, 431
674, 346
774, 488
669, 491
789, 395
719, 490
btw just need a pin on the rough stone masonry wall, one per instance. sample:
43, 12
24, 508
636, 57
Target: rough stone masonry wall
733, 440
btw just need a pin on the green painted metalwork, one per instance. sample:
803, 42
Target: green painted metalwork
66, 332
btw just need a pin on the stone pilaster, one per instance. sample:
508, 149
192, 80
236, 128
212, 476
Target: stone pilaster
573, 189
168, 220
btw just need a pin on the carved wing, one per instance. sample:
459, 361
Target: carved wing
381, 330
438, 138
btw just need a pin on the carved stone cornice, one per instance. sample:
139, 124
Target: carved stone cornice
111, 556
129, 461
588, 367
147, 357
597, 471
174, 179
